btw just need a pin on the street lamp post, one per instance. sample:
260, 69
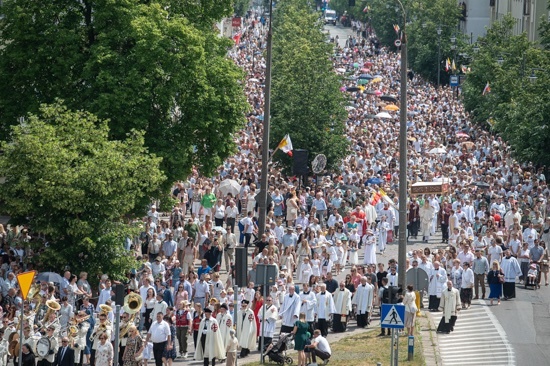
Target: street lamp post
266, 125
402, 250
438, 56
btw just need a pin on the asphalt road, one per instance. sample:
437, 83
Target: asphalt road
526, 322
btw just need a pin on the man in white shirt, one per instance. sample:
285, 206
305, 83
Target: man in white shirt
159, 334
160, 305
319, 347
231, 213
494, 252
248, 224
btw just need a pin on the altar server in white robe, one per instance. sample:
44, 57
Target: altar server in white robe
363, 298
290, 310
342, 304
308, 302
324, 306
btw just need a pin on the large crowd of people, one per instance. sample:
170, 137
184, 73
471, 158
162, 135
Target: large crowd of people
493, 220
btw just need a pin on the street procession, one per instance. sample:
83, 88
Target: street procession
213, 283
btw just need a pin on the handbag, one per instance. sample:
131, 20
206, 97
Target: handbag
501, 277
139, 357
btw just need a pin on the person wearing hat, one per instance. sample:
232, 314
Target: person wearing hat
50, 357
289, 238
183, 329
211, 346
246, 328
225, 320
160, 305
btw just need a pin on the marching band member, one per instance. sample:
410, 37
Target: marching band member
48, 359
103, 327
3, 349
79, 342
123, 336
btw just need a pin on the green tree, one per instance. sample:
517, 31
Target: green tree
154, 66
516, 108
67, 180
306, 100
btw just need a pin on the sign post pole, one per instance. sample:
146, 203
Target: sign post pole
25, 281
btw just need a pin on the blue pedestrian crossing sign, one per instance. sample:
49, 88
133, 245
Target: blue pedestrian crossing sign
393, 316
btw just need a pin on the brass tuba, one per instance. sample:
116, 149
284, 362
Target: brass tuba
132, 305
53, 306
105, 309
34, 293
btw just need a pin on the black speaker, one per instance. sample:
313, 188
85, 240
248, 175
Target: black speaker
300, 166
266, 274
120, 293
241, 267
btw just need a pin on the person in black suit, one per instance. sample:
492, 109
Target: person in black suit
65, 354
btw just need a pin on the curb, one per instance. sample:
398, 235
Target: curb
429, 340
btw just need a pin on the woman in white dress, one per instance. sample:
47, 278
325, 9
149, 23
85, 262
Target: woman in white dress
287, 259
340, 260
303, 251
251, 199
369, 241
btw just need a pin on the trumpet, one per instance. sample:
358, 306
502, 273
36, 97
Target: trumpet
105, 309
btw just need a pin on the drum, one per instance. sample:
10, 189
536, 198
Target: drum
43, 347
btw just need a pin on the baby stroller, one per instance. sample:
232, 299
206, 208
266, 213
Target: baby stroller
277, 351
536, 283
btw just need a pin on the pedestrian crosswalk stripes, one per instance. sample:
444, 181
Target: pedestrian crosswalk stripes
477, 339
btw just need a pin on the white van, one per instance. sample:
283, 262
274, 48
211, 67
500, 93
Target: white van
330, 16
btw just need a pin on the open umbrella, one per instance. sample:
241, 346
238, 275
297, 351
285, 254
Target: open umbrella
374, 180
376, 80
370, 92
364, 69
352, 188
219, 228
341, 69
462, 135
362, 81
480, 184
254, 80
349, 108
389, 98
229, 186
438, 150
468, 144
391, 107
377, 93
384, 115
352, 89
366, 76
49, 277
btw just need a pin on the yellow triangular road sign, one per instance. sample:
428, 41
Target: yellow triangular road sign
25, 280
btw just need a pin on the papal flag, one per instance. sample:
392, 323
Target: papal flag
286, 145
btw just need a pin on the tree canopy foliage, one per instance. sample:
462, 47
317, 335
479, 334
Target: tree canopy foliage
306, 100
69, 182
154, 66
516, 107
